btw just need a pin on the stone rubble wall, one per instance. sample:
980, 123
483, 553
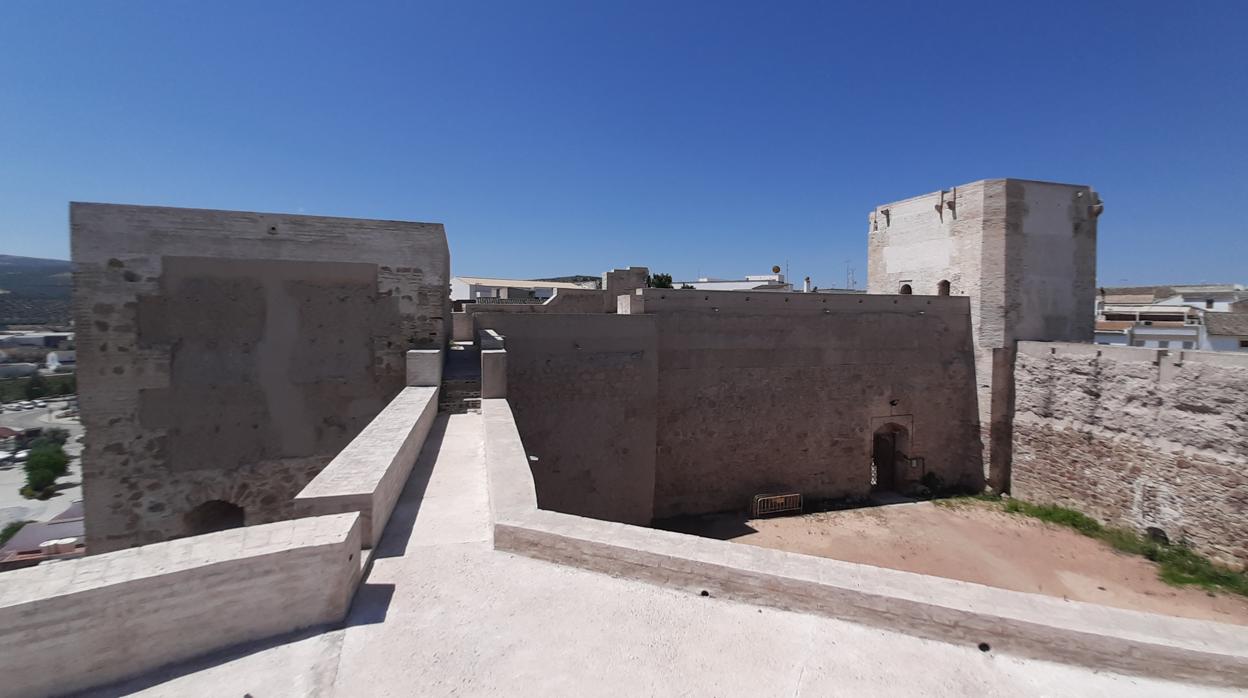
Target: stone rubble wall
1139, 438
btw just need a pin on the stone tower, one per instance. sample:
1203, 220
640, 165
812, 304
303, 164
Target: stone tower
1023, 251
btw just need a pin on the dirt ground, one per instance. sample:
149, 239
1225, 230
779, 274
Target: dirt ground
977, 544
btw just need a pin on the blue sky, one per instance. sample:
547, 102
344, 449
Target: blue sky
714, 138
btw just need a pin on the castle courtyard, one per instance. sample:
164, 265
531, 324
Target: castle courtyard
973, 542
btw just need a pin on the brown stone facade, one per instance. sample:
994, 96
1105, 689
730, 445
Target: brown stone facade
1139, 438
226, 357
706, 399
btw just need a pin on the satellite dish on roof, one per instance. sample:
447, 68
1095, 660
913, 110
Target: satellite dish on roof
775, 269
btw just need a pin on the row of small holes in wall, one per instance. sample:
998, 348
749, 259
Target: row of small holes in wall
786, 300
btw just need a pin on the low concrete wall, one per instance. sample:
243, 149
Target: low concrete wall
1141, 438
370, 473
76, 624
461, 327
424, 367
941, 609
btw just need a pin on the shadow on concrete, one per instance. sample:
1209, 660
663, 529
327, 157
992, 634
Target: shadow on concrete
725, 526
169, 672
403, 519
370, 604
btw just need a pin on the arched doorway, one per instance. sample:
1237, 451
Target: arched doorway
888, 449
942, 288
214, 515
906, 290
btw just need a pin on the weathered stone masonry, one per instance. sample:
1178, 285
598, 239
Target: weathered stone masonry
229, 355
1140, 438
694, 401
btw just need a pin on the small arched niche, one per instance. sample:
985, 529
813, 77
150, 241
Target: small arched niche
906, 290
942, 288
213, 515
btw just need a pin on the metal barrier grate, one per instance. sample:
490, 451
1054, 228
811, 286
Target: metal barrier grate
768, 504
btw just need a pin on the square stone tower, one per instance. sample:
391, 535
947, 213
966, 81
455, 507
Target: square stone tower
1023, 251
224, 357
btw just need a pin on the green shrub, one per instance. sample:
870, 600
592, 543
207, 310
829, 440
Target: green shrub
39, 480
49, 457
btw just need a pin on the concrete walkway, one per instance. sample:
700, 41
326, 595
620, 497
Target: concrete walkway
442, 613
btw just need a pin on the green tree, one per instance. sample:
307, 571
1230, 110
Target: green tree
65, 388
36, 387
49, 457
660, 281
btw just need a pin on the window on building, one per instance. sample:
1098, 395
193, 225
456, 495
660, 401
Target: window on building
906, 290
1164, 344
1208, 303
1187, 345
1243, 344
942, 288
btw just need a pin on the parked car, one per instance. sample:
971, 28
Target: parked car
40, 404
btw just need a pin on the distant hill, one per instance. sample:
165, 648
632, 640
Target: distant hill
35, 291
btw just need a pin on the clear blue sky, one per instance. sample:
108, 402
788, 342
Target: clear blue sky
557, 138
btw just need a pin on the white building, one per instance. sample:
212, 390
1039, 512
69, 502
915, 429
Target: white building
1226, 332
50, 340
61, 360
1215, 297
477, 289
1149, 325
1209, 317
757, 282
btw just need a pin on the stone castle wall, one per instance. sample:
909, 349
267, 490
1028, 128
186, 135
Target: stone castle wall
229, 355
708, 398
1140, 438
582, 388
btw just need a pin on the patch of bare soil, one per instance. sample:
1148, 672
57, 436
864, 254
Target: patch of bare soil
977, 544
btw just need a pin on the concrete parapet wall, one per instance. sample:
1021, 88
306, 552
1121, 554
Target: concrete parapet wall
424, 367
369, 474
1136, 437
493, 373
461, 327
941, 609
76, 624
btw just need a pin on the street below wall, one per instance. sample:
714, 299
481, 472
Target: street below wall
15, 507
